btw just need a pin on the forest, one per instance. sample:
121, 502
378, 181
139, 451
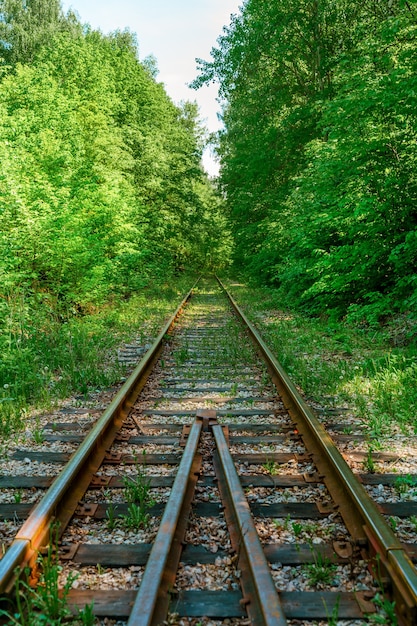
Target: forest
103, 197
101, 187
319, 154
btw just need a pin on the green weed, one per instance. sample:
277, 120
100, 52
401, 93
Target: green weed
17, 496
271, 467
386, 615
111, 516
138, 490
86, 616
46, 356
321, 572
136, 517
405, 484
47, 605
338, 362
283, 524
38, 436
368, 462
333, 617
297, 528
181, 356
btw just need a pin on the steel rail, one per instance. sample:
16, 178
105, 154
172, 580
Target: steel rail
357, 509
62, 497
152, 600
260, 599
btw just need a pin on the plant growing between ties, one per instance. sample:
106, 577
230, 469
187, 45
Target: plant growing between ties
271, 467
47, 604
321, 572
369, 463
111, 517
138, 495
386, 615
17, 496
282, 524
405, 485
136, 517
332, 617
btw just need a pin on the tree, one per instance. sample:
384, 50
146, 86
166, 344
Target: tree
100, 180
26, 26
317, 156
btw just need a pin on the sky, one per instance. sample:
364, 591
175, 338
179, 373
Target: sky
176, 32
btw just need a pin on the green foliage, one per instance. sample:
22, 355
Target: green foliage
372, 371
26, 26
322, 572
318, 152
405, 485
271, 467
386, 614
136, 517
369, 463
102, 194
100, 183
111, 519
333, 617
359, 189
47, 604
137, 489
45, 357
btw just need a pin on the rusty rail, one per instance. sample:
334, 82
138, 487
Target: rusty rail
367, 526
261, 600
152, 600
61, 499
260, 597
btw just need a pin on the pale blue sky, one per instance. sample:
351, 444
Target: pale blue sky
175, 32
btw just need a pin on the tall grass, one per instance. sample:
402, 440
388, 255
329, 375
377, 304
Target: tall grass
336, 363
45, 357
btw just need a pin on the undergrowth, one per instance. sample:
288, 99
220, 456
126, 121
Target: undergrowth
46, 604
46, 357
371, 369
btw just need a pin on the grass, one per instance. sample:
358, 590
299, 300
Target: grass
136, 517
271, 467
46, 357
369, 465
370, 369
405, 486
181, 356
47, 604
386, 615
222, 347
111, 516
322, 572
137, 493
333, 616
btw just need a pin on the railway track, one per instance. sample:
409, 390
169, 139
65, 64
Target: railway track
202, 496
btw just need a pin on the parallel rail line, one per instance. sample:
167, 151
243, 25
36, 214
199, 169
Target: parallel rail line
205, 434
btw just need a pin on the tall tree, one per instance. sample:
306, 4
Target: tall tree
26, 26
274, 64
101, 184
317, 156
